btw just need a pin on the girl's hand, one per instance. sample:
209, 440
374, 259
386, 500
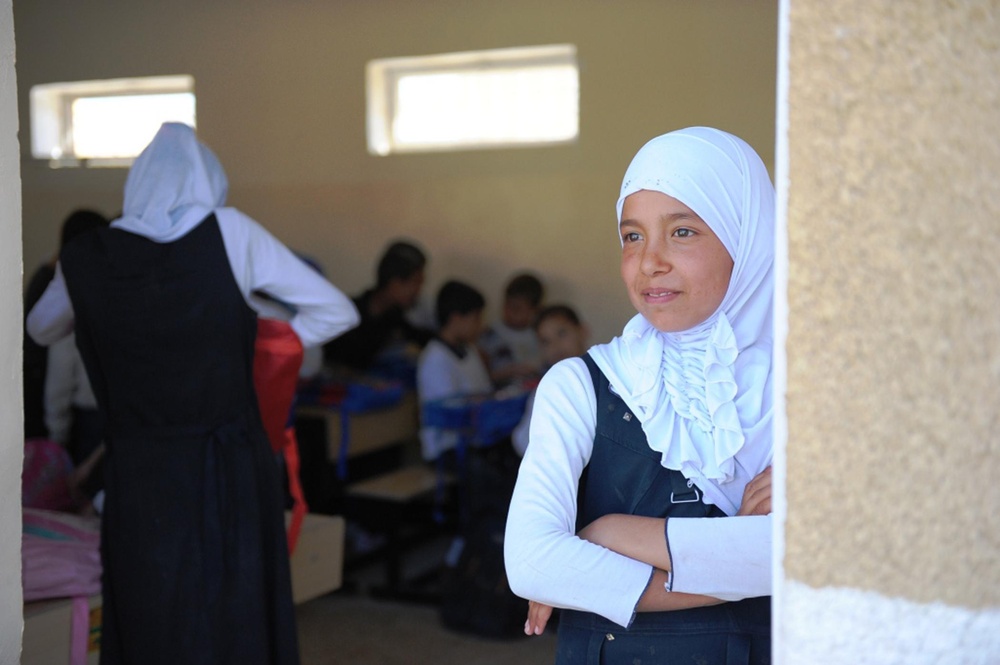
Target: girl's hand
538, 618
757, 495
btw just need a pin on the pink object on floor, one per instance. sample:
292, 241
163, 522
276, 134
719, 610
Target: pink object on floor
61, 558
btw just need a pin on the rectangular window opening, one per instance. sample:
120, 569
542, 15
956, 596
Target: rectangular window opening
108, 122
481, 99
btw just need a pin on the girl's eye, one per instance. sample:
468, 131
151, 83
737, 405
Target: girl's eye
630, 237
684, 232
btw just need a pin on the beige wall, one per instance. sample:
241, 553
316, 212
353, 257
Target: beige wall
894, 339
11, 441
280, 90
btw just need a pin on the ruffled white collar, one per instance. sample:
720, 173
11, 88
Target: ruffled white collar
684, 391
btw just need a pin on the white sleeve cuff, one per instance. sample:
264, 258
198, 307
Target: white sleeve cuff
724, 557
51, 318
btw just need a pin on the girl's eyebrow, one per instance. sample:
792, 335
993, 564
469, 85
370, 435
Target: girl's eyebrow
679, 216
669, 217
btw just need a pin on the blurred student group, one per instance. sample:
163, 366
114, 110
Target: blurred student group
408, 423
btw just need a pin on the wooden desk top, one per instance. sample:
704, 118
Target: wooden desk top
369, 431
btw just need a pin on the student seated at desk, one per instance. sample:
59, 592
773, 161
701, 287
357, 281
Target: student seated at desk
561, 335
450, 365
510, 344
383, 310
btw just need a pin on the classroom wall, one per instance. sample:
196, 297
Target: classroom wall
893, 347
11, 408
280, 93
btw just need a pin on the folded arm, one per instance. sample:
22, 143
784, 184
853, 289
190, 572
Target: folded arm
549, 563
738, 565
545, 559
646, 538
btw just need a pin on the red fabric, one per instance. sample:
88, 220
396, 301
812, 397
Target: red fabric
299, 506
276, 363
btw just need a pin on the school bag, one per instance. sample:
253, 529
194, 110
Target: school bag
45, 476
476, 597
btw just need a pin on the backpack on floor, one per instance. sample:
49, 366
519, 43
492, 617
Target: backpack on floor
476, 598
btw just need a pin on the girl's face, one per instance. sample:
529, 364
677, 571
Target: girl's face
676, 270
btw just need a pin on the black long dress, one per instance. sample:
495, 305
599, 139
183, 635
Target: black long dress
195, 559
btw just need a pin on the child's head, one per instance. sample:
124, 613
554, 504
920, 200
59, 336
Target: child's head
401, 273
560, 334
522, 298
696, 218
459, 311
79, 222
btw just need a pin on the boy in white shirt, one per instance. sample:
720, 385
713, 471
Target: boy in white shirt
561, 335
450, 365
510, 345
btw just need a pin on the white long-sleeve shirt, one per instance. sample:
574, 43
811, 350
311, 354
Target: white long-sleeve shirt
442, 373
66, 386
728, 558
259, 263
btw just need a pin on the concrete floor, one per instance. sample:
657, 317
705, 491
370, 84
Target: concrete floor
354, 629
355, 626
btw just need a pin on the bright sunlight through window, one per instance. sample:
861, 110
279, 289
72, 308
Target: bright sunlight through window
105, 123
482, 99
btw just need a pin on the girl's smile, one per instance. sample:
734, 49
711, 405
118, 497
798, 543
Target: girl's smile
675, 268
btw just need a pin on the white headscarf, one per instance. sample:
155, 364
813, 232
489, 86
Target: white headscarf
172, 186
703, 395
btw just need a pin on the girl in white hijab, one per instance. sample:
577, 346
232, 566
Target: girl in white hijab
671, 419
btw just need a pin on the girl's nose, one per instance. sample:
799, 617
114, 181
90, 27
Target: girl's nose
655, 260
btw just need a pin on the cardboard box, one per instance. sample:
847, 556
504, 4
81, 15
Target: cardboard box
47, 625
318, 560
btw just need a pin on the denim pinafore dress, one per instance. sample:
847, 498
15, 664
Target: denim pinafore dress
737, 633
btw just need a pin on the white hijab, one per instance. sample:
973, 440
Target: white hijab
703, 395
172, 186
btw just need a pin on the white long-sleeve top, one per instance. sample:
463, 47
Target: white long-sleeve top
259, 263
728, 558
442, 373
66, 386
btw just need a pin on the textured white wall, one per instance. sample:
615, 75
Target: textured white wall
11, 426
